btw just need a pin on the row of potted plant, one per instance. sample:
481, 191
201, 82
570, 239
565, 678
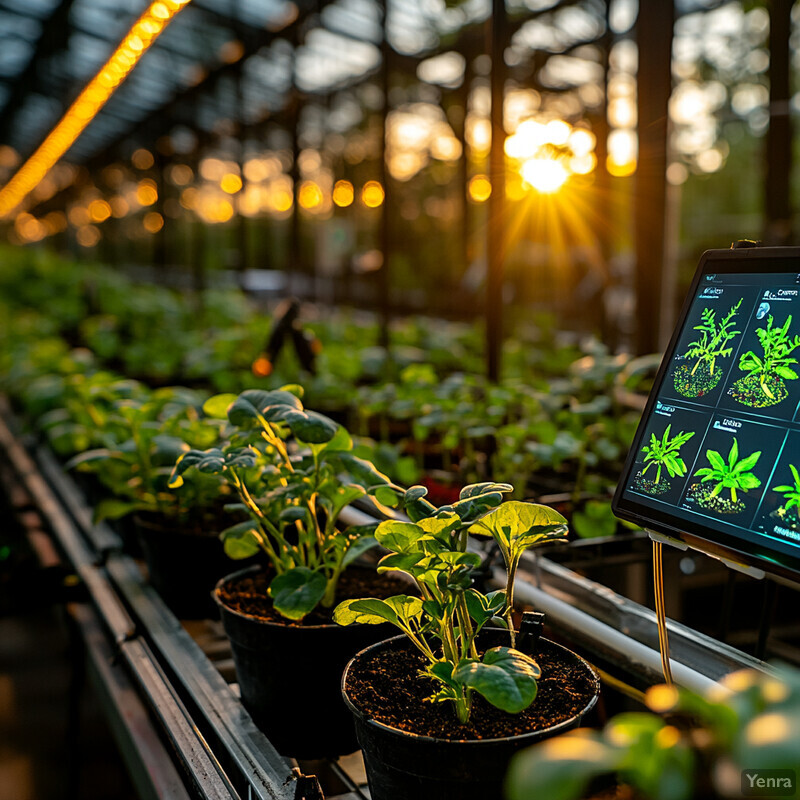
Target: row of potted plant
280, 475
550, 439
288, 460
439, 710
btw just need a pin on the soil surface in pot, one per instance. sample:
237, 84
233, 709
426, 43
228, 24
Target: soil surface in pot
249, 595
387, 687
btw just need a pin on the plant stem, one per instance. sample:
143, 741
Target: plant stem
467, 631
462, 708
257, 514
330, 589
512, 571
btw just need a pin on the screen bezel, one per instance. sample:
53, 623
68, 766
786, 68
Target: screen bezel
697, 536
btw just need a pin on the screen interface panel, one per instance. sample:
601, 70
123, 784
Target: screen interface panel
718, 455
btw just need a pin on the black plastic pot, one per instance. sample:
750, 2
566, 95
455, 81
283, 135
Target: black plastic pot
183, 566
408, 766
290, 675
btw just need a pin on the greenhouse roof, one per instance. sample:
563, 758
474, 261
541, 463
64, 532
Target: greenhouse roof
233, 59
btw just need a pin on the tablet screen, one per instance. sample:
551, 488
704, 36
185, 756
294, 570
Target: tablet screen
717, 453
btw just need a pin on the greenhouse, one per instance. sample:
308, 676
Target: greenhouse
399, 399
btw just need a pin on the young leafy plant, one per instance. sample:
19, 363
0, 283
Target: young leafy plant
665, 453
734, 474
293, 472
444, 621
145, 432
791, 493
777, 347
713, 341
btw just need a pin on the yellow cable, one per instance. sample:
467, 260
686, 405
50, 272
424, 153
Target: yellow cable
661, 617
143, 33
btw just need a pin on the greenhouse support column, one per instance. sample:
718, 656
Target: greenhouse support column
460, 130
197, 240
160, 236
654, 38
384, 283
495, 252
778, 143
243, 257
609, 324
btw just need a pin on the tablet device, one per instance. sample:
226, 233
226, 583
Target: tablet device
715, 461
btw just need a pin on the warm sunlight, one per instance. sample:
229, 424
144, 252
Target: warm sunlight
547, 153
546, 175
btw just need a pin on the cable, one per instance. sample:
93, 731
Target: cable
661, 618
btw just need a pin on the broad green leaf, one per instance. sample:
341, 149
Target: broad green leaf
296, 592
733, 455
746, 464
471, 507
405, 607
399, 610
400, 537
251, 404
415, 504
786, 372
443, 670
370, 611
440, 527
402, 562
294, 388
516, 525
505, 677
387, 495
481, 488
457, 559
241, 540
715, 459
191, 458
341, 441
310, 427
483, 607
217, 406
749, 481
363, 471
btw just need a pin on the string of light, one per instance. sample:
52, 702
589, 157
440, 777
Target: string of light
143, 33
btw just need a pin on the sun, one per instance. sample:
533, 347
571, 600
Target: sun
546, 175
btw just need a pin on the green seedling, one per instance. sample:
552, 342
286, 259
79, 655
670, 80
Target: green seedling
734, 474
145, 432
713, 341
294, 473
790, 493
777, 347
444, 621
665, 453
